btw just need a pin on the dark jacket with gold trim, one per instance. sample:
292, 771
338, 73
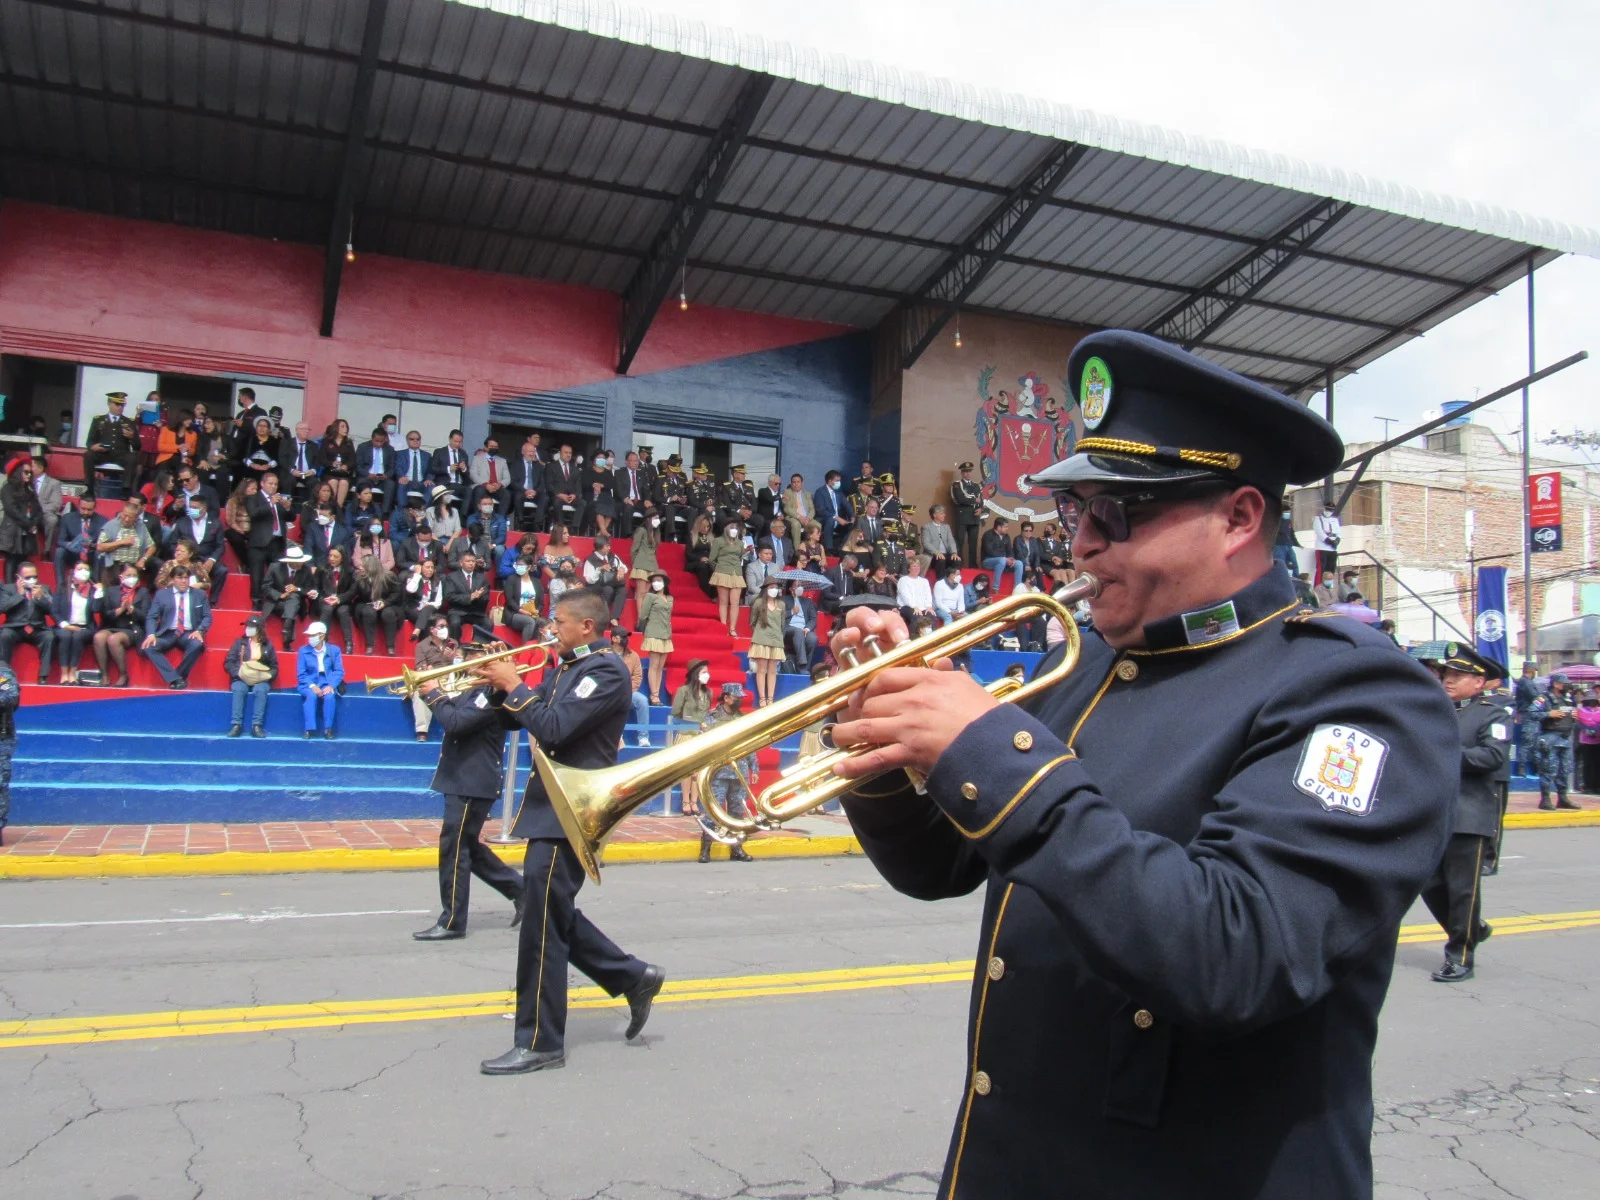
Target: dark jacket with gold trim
1197, 858
472, 759
1484, 726
576, 715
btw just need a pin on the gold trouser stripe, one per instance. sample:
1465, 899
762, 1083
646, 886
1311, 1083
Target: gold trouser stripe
977, 1035
455, 866
544, 933
1468, 946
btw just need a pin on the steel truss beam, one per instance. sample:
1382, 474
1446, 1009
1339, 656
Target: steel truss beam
1198, 315
669, 249
355, 150
928, 309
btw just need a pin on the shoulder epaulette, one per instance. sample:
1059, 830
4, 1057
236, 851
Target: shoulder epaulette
1331, 624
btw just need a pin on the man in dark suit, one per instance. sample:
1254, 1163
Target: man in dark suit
289, 590
75, 537
563, 492
178, 618
844, 580
470, 775
833, 510
420, 547
576, 717
466, 599
27, 608
201, 525
1027, 549
412, 466
769, 500
326, 532
269, 522
189, 485
631, 488
527, 490
375, 468
299, 460
870, 525
800, 627
244, 424
450, 467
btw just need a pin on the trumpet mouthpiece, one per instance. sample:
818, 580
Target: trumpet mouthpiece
1084, 587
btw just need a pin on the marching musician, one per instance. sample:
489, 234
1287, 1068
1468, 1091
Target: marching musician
470, 775
1184, 953
576, 715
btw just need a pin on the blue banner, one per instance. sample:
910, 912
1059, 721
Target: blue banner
1490, 628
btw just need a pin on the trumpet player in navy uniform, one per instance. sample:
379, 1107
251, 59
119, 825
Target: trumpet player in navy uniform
1183, 953
1454, 895
576, 715
470, 775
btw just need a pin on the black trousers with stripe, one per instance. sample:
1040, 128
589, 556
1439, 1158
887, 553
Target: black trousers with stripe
1454, 895
553, 934
462, 855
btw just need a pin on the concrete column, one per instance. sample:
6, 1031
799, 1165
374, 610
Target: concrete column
475, 413
322, 396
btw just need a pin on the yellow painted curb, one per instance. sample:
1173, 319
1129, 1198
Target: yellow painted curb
294, 862
1553, 820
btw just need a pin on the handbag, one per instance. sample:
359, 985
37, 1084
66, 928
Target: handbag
253, 670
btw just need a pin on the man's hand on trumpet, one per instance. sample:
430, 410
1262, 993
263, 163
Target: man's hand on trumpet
910, 715
499, 673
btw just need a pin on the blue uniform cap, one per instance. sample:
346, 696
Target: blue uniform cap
1153, 413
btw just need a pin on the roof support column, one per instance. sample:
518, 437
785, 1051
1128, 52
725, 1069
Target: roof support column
669, 251
1530, 636
355, 146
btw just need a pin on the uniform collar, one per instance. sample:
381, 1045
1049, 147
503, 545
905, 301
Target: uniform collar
1213, 623
577, 652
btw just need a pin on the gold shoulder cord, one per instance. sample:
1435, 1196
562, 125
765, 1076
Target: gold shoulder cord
1215, 459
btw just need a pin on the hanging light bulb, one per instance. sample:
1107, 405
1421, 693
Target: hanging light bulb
350, 241
349, 252
958, 331
683, 293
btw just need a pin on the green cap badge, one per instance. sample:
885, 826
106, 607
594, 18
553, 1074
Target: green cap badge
1094, 392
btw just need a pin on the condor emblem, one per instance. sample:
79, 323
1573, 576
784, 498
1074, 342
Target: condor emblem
1340, 767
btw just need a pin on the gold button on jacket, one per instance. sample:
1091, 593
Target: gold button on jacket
981, 1084
1143, 1019
997, 969
1023, 740
1127, 670
969, 791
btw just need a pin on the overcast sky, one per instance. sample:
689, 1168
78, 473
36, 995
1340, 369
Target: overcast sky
1494, 102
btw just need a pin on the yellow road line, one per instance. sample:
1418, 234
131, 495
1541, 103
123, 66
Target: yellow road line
332, 1014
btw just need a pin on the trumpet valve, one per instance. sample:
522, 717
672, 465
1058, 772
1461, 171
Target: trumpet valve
872, 646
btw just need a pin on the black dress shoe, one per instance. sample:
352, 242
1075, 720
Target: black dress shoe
1452, 973
236, 731
257, 731
516, 912
422, 737
328, 733
641, 998
439, 933
739, 854
1563, 802
306, 733
519, 1060
1484, 930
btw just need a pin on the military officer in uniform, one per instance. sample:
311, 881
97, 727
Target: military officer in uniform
703, 496
737, 493
966, 498
672, 493
888, 498
1196, 849
576, 716
470, 775
1454, 894
863, 483
113, 443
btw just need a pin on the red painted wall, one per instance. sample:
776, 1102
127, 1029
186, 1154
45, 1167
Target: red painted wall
114, 292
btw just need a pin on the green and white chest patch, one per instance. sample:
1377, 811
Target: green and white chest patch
1340, 767
1210, 624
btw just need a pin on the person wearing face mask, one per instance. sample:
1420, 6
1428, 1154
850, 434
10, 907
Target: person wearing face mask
336, 596
122, 614
691, 705
201, 526
436, 649
252, 666
1325, 533
655, 623
599, 495
77, 608
833, 510
564, 581
800, 627
423, 597
727, 575
524, 596
325, 532
768, 619
370, 543
319, 670
606, 574
646, 539
949, 597
1325, 593
730, 780
488, 530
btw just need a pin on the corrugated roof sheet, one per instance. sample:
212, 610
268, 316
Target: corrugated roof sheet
553, 138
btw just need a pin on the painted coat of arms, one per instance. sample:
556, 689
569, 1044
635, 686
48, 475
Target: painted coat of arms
1018, 433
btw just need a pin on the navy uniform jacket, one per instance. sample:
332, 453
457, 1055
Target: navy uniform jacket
576, 715
1484, 727
1197, 858
472, 760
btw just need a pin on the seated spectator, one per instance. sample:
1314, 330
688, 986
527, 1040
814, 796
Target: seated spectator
845, 579
178, 619
406, 522
1027, 549
950, 597
997, 553
979, 595
1325, 592
490, 477
76, 536
436, 649
319, 670
420, 546
375, 470
469, 542
122, 612
607, 574
442, 515
51, 503
811, 554
757, 571
914, 593
640, 715
1303, 590
939, 549
524, 595
325, 532
879, 583
289, 591
600, 505
779, 542
1349, 586
424, 596
800, 628
236, 520
21, 516
377, 597
76, 609
566, 579
366, 508
200, 527
28, 608
411, 473
558, 549
466, 600
336, 597
370, 543
252, 666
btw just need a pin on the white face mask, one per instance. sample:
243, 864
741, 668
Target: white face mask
654, 521
316, 639
375, 527
442, 632
772, 592
485, 513
130, 581
705, 677
733, 535
81, 574
657, 585
520, 568
324, 519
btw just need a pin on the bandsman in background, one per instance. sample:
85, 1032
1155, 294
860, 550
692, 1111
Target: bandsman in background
888, 498
470, 776
1454, 894
113, 445
966, 498
737, 493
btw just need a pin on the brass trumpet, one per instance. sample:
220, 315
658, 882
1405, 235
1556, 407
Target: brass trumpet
455, 678
591, 804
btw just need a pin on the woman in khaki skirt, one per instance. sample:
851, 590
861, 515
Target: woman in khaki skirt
655, 622
691, 704
768, 613
811, 736
727, 575
645, 540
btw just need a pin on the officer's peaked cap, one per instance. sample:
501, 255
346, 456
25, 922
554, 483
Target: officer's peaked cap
1460, 657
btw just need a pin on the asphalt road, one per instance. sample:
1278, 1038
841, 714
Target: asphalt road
830, 1066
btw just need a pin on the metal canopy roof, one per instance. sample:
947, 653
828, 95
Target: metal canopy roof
585, 144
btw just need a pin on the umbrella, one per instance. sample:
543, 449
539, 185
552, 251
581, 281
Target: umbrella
868, 600
811, 578
1359, 612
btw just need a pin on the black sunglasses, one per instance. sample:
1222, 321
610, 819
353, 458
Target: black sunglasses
1109, 510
